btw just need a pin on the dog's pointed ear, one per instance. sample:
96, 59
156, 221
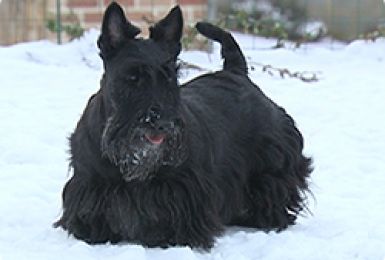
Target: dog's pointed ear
169, 30
115, 30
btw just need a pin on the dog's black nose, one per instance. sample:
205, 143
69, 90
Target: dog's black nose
153, 115
157, 120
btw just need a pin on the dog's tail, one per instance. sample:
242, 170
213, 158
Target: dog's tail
234, 60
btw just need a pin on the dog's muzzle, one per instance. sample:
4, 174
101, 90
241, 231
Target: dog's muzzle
140, 150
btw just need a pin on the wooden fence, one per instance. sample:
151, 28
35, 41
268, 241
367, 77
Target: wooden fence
24, 20
347, 19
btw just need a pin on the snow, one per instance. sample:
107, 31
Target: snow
44, 89
313, 29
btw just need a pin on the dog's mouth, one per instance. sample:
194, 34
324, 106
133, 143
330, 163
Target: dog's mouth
156, 139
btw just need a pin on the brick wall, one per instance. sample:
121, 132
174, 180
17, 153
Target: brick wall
139, 12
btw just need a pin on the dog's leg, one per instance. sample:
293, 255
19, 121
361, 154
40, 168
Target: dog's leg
271, 204
276, 191
154, 214
83, 213
176, 211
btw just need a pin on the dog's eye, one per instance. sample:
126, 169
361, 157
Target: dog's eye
132, 78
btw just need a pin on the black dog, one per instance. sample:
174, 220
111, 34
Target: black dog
160, 164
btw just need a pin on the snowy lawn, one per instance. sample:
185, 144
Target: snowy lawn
44, 88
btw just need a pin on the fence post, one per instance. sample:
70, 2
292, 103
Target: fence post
212, 12
58, 22
358, 21
383, 11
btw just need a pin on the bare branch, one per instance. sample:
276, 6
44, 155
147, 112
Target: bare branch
305, 76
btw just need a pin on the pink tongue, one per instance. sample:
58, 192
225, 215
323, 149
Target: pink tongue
155, 139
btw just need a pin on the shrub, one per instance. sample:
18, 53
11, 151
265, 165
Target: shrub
281, 19
72, 27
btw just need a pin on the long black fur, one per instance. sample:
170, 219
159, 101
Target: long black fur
231, 156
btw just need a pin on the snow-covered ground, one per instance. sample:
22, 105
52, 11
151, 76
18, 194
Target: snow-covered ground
44, 88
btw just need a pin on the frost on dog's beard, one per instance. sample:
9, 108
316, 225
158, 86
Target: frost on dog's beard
136, 160
138, 154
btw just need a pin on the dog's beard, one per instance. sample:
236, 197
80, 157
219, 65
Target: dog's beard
136, 156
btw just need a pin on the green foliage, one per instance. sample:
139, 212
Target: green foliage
73, 30
189, 37
373, 35
192, 40
284, 26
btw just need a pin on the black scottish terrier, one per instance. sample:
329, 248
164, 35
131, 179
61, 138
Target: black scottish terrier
161, 164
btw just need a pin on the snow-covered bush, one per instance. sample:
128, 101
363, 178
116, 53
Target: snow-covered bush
281, 19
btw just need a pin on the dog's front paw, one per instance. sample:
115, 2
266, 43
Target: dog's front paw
201, 243
165, 239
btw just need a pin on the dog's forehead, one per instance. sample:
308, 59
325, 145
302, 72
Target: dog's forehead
143, 50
